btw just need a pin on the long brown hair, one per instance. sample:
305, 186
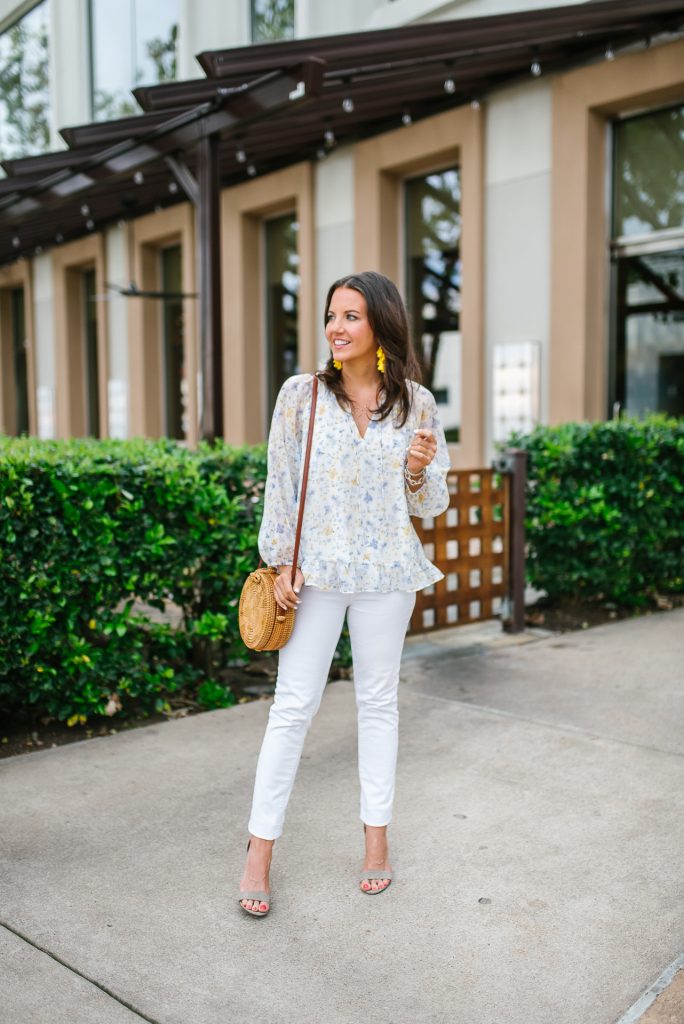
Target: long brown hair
389, 322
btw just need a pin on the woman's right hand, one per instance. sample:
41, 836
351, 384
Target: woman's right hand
287, 597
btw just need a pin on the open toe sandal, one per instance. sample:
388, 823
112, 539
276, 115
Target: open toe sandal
254, 894
377, 875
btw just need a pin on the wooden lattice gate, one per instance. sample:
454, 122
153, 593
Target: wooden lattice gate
478, 543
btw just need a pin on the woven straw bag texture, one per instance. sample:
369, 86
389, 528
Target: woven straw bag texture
263, 625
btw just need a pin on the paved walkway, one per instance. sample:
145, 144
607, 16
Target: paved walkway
537, 845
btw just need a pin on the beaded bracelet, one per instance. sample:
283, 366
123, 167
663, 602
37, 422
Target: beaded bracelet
414, 478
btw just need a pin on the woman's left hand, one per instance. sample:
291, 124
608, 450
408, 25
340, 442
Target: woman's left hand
422, 450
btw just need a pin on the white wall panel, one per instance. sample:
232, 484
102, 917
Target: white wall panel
44, 344
517, 227
334, 218
210, 25
518, 133
116, 265
329, 17
69, 66
402, 11
517, 272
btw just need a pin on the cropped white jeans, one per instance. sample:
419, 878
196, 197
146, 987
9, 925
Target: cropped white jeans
377, 627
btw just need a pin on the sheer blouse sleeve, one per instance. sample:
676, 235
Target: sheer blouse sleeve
279, 521
433, 497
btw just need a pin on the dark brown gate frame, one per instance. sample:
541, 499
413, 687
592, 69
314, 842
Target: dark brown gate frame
479, 544
513, 463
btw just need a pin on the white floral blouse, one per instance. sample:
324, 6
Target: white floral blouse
357, 533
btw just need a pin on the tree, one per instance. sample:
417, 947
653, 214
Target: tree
24, 88
272, 20
163, 54
650, 171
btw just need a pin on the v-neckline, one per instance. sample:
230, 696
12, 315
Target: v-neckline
355, 426
361, 437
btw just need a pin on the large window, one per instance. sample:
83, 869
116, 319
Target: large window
272, 20
133, 43
648, 264
433, 286
282, 299
25, 85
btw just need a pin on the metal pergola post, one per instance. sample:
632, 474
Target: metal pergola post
517, 467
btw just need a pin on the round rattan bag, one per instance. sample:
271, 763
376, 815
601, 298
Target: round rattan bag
263, 625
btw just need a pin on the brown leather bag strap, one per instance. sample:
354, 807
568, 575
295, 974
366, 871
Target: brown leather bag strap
305, 476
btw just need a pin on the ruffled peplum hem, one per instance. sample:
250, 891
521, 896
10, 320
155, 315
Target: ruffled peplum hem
369, 577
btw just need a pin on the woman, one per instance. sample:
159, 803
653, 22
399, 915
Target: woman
378, 457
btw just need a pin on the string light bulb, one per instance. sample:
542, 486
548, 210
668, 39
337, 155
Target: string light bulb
406, 118
241, 156
449, 86
535, 68
348, 104
610, 53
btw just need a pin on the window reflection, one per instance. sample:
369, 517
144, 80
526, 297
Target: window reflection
433, 287
25, 85
648, 256
131, 44
272, 20
649, 173
282, 302
650, 334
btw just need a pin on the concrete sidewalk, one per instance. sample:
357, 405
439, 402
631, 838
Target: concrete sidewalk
537, 846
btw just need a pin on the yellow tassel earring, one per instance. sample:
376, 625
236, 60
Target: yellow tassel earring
381, 359
337, 364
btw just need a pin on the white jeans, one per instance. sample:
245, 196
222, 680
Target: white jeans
377, 627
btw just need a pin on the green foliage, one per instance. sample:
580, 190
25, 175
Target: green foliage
121, 565
214, 695
24, 85
605, 509
272, 20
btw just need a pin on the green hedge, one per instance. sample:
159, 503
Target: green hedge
88, 531
605, 509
